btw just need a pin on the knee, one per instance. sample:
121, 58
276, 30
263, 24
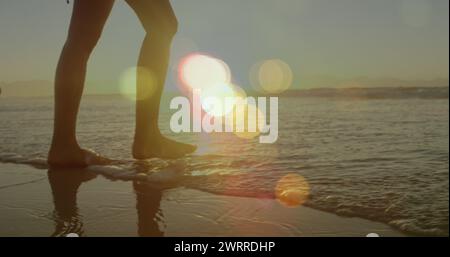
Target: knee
173, 27
83, 44
164, 28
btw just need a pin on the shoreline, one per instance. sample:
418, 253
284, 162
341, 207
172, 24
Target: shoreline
436, 92
121, 208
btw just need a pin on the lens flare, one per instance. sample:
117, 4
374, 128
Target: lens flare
292, 190
244, 120
199, 71
129, 79
239, 92
218, 100
271, 76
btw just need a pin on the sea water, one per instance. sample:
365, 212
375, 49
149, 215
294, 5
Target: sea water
383, 160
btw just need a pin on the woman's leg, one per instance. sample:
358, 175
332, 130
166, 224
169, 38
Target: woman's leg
148, 201
160, 24
64, 184
88, 19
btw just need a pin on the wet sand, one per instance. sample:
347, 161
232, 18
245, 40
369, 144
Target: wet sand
39, 203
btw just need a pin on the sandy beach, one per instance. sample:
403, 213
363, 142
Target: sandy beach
119, 208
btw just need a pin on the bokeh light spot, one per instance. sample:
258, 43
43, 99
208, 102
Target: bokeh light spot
271, 76
292, 190
214, 99
199, 71
128, 83
245, 118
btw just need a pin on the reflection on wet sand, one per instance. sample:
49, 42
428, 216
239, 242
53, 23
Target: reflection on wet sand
105, 208
65, 184
148, 202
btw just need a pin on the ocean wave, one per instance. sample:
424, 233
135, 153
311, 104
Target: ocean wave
388, 207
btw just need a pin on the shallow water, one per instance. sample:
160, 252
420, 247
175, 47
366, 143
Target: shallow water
383, 160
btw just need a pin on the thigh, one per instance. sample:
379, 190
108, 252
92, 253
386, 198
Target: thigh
89, 18
154, 13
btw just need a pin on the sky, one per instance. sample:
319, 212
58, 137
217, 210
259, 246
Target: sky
321, 40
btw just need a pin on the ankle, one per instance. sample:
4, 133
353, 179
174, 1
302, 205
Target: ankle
61, 145
140, 138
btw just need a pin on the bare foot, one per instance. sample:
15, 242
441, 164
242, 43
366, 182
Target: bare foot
75, 158
162, 147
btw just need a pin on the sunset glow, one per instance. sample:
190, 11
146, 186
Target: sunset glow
199, 71
271, 76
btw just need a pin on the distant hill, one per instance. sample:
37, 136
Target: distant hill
365, 82
373, 93
361, 88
